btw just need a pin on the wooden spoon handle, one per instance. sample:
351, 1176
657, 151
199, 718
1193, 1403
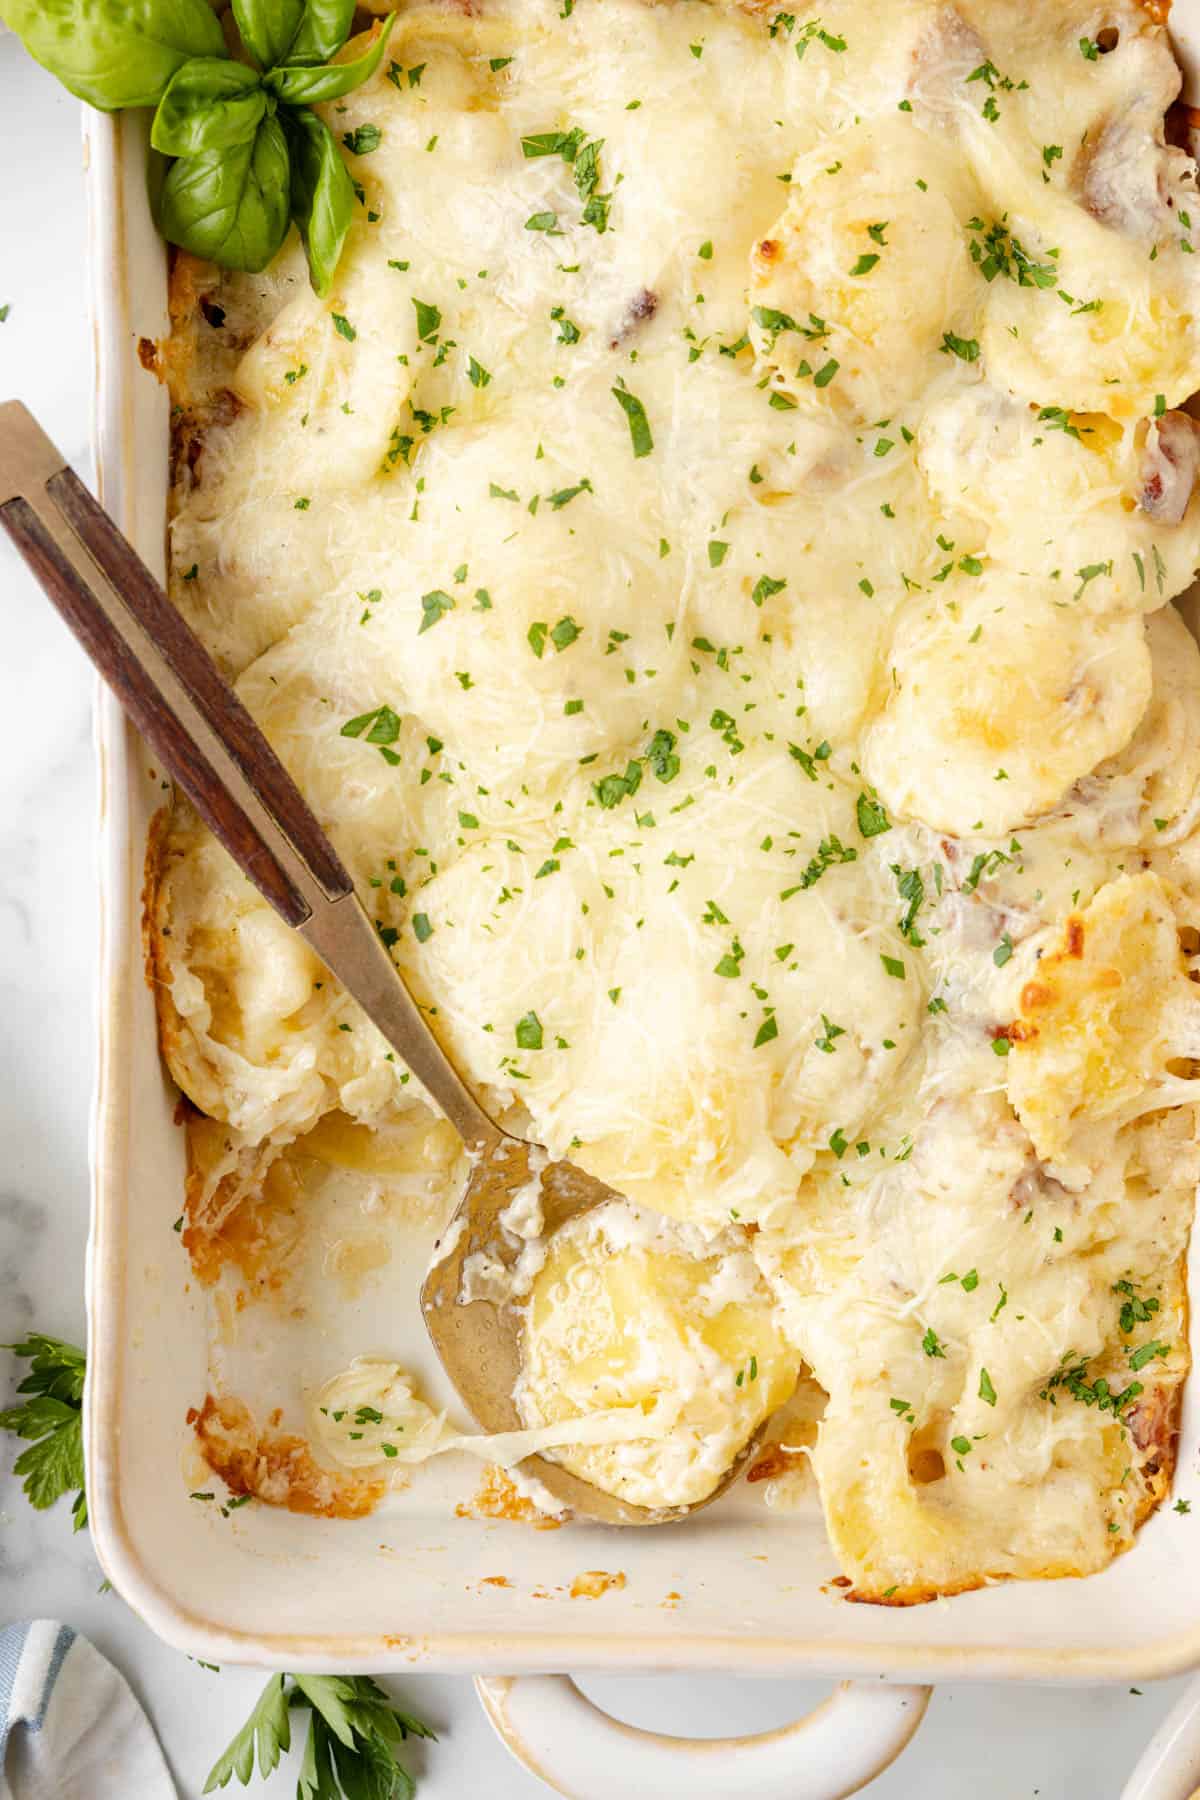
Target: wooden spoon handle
186, 710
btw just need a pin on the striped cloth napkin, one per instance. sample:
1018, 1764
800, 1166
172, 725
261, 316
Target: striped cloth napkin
70, 1728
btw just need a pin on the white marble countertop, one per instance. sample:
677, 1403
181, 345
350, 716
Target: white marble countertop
997, 1742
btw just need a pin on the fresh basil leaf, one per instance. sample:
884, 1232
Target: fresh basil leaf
322, 194
324, 28
267, 27
311, 86
231, 206
115, 53
208, 105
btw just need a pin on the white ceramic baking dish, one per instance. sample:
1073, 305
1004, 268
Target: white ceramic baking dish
737, 1588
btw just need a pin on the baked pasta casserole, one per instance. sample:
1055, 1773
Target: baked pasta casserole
710, 565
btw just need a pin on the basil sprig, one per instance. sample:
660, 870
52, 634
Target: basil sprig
249, 157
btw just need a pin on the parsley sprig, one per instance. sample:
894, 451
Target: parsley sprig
354, 1727
52, 1418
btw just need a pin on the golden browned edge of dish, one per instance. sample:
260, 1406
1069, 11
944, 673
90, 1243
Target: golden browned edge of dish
249, 1458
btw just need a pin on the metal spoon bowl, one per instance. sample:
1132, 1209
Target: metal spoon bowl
479, 1341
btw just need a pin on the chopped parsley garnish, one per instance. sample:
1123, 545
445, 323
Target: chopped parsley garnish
429, 321
434, 607
382, 727
529, 1032
829, 851
568, 331
730, 965
1134, 1311
911, 887
1091, 572
1096, 1393
966, 349
1057, 418
997, 252
564, 496
765, 586
872, 818
562, 635
784, 23
659, 756
995, 82
639, 426
553, 143
363, 139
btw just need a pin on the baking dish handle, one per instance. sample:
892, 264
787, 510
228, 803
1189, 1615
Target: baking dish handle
1169, 1767
585, 1754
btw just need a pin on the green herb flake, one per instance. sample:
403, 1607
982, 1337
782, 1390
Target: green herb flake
362, 140
639, 426
434, 607
966, 349
872, 817
529, 1032
429, 321
766, 586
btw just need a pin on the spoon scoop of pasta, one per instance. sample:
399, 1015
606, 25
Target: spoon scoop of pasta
184, 708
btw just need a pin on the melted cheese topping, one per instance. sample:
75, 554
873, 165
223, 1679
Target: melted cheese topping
695, 564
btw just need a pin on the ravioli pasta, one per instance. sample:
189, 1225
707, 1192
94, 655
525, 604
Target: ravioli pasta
709, 564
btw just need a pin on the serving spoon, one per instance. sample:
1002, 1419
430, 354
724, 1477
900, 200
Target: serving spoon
185, 709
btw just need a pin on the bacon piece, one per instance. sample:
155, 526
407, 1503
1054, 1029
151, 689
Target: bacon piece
1170, 462
948, 50
1153, 1422
1130, 177
643, 306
